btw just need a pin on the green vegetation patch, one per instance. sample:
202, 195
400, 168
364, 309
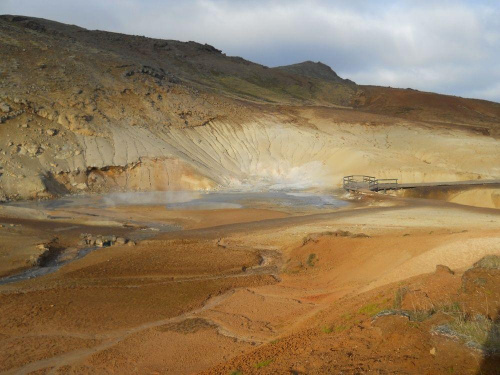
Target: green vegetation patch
489, 261
399, 296
326, 329
265, 363
371, 309
479, 332
311, 260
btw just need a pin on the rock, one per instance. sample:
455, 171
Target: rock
121, 241
33, 150
104, 241
384, 313
432, 351
5, 108
42, 247
47, 114
51, 132
131, 243
86, 239
25, 126
33, 260
444, 269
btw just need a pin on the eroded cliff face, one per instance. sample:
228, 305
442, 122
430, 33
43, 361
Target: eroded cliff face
270, 151
85, 111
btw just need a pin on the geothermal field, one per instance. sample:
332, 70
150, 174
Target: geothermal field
168, 209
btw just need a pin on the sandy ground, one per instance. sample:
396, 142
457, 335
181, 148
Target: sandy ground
478, 196
229, 286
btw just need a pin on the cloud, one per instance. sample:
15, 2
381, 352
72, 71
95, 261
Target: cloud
444, 46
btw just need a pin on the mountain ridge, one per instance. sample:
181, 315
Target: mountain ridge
89, 111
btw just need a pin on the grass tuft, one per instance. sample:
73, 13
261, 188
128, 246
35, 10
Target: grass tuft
489, 261
311, 260
341, 328
265, 363
371, 309
399, 296
326, 329
480, 331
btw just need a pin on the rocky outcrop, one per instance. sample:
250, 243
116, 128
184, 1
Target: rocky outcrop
89, 111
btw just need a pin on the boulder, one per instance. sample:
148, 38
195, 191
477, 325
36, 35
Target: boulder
5, 108
42, 247
121, 241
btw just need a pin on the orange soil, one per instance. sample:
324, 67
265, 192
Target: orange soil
190, 300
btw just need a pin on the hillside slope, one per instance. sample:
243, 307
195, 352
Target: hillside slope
93, 111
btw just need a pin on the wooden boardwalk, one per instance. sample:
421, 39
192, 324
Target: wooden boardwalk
362, 182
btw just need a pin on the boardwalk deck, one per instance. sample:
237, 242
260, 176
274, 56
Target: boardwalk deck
362, 182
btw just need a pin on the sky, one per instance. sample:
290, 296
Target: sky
449, 47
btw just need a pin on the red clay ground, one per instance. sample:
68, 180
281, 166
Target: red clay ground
280, 294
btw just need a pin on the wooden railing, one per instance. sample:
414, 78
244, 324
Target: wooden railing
362, 182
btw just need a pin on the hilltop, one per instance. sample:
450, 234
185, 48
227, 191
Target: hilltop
94, 111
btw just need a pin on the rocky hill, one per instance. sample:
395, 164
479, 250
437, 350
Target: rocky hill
88, 111
316, 70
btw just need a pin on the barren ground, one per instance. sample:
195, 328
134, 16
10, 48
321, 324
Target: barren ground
247, 289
